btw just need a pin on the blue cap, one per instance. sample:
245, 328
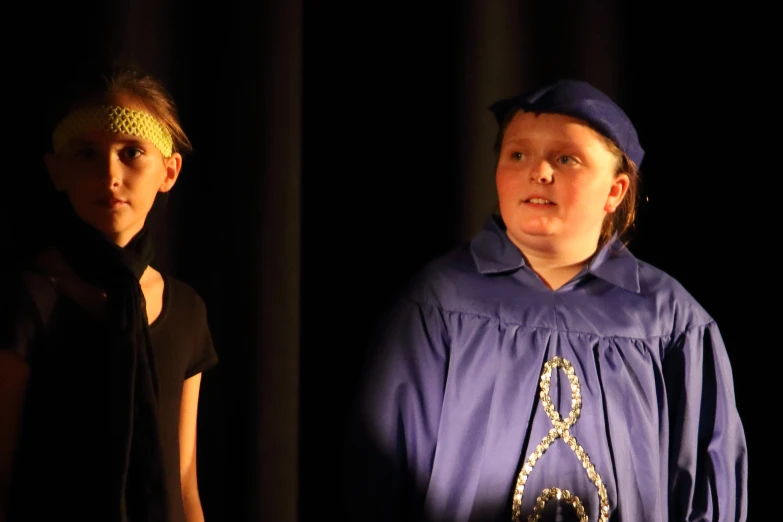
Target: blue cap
579, 100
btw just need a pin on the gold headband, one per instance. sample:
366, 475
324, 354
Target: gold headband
119, 120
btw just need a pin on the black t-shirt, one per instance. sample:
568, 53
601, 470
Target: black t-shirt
183, 348
61, 466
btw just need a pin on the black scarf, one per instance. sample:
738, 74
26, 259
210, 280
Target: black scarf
135, 447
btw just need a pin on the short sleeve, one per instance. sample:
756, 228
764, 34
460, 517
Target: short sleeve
708, 450
204, 356
20, 315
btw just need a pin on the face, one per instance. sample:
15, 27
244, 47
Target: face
556, 180
112, 179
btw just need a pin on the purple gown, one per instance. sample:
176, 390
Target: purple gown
493, 398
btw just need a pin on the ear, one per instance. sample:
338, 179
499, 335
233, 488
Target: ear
617, 192
52, 163
173, 165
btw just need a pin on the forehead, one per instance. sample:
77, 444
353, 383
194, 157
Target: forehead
124, 99
529, 125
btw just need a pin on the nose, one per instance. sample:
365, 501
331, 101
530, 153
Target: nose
113, 169
541, 172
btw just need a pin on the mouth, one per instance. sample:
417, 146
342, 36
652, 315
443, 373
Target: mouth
538, 201
112, 202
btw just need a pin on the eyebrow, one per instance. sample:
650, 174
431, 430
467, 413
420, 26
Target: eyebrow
82, 141
563, 143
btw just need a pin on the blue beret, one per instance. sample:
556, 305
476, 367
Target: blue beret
582, 101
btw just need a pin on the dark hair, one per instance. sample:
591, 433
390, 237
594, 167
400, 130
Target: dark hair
101, 85
621, 221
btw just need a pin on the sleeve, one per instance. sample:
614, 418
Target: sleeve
708, 458
204, 356
20, 317
392, 441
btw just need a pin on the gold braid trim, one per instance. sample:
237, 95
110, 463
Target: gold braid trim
560, 430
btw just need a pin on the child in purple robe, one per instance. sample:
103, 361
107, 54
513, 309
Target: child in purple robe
541, 371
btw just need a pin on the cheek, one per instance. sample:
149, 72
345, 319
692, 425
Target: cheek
592, 197
78, 187
507, 182
149, 189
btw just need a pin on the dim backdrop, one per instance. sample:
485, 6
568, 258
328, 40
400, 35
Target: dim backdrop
338, 148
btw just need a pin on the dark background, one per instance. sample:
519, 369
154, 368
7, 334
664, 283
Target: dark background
338, 148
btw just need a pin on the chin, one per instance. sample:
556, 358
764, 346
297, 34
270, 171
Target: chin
531, 238
534, 231
109, 228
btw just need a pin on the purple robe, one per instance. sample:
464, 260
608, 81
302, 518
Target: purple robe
611, 397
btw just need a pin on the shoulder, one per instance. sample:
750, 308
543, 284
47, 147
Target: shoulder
671, 297
184, 296
23, 283
439, 281
26, 299
185, 328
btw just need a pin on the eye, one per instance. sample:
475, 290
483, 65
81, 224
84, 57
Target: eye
567, 160
134, 152
85, 152
516, 156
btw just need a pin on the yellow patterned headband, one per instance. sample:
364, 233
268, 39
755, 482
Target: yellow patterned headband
119, 120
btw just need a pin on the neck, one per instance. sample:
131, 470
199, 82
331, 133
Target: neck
103, 258
122, 239
556, 265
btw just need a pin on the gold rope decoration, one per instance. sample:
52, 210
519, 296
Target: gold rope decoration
560, 430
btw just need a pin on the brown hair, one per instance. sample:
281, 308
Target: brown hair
130, 80
621, 221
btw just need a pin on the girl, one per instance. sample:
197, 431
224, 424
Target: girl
542, 372
102, 355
